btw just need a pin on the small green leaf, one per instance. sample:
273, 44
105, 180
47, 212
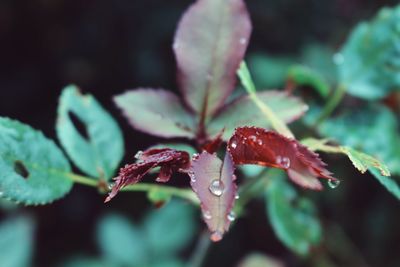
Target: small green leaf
169, 229
16, 242
33, 170
98, 154
369, 62
302, 75
363, 162
292, 217
121, 242
157, 196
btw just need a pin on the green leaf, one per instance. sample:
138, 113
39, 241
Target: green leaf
33, 170
121, 242
243, 112
373, 130
168, 263
305, 76
387, 182
16, 242
369, 64
98, 154
157, 112
259, 260
292, 217
169, 229
363, 162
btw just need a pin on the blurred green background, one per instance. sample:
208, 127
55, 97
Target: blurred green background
107, 47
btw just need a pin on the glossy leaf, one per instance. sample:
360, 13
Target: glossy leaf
157, 112
259, 260
170, 160
121, 242
214, 183
209, 45
33, 170
369, 63
292, 217
99, 153
16, 242
252, 145
175, 223
243, 112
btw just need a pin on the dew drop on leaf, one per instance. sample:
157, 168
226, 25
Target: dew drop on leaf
139, 154
231, 216
283, 161
110, 186
233, 144
207, 215
237, 196
333, 183
216, 187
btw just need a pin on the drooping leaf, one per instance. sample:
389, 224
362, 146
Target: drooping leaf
259, 260
252, 145
305, 76
99, 153
214, 183
370, 62
33, 170
373, 130
16, 242
170, 160
243, 112
363, 162
209, 45
121, 242
157, 112
174, 223
292, 217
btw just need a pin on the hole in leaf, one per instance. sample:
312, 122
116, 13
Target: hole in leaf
79, 125
20, 169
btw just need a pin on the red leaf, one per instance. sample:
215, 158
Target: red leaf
252, 145
209, 45
214, 144
170, 160
213, 182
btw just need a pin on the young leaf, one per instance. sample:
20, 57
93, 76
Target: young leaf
121, 242
292, 218
242, 112
16, 242
99, 153
170, 160
157, 112
214, 183
369, 61
209, 45
33, 170
252, 145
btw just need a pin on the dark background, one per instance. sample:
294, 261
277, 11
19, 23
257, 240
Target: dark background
106, 47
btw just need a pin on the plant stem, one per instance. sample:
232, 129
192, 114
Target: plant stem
79, 179
200, 250
331, 104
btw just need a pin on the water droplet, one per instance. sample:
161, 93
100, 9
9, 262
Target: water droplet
253, 138
333, 183
233, 144
196, 156
216, 236
338, 59
216, 187
283, 161
243, 41
139, 154
231, 216
259, 142
207, 215
110, 186
237, 196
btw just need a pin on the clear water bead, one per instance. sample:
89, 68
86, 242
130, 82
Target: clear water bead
139, 154
207, 215
237, 196
283, 161
110, 186
233, 144
333, 183
216, 187
231, 216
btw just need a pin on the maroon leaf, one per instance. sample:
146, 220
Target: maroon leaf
209, 45
157, 112
252, 145
170, 160
213, 182
213, 145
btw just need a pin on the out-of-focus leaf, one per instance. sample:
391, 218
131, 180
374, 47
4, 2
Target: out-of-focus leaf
170, 228
157, 112
292, 217
214, 183
121, 242
269, 71
369, 63
259, 260
87, 262
243, 112
373, 130
33, 170
209, 45
302, 75
99, 153
168, 263
363, 162
391, 185
16, 242
252, 145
